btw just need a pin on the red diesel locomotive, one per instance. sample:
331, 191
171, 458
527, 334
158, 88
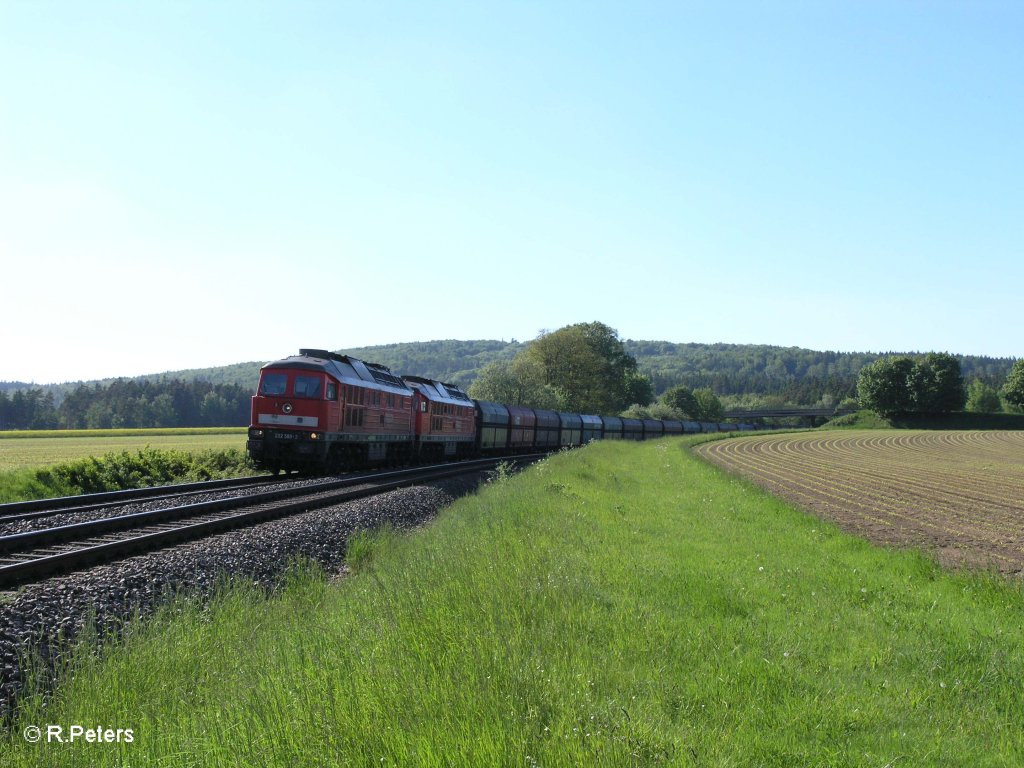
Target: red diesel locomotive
321, 411
445, 419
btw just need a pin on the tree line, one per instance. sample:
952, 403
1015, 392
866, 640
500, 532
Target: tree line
934, 383
583, 368
784, 374
587, 368
128, 403
744, 375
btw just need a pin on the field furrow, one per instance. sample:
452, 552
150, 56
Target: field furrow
959, 494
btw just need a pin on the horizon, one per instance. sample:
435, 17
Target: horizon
911, 353
191, 183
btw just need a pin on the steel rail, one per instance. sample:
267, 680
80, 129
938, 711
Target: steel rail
23, 565
25, 510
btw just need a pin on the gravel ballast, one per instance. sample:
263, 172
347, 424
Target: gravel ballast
53, 520
42, 618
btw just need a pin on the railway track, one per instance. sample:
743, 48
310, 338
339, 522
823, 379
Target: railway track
38, 554
28, 510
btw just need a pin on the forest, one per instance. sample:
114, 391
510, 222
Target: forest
742, 375
127, 403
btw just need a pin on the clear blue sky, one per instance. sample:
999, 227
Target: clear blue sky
187, 184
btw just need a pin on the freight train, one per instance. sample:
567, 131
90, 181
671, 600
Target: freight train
319, 411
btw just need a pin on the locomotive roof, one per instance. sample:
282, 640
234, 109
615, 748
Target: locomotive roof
438, 391
348, 370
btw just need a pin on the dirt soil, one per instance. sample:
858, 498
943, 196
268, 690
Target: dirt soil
957, 494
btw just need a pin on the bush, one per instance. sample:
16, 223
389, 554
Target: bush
124, 470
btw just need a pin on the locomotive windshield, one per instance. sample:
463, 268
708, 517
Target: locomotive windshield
307, 386
273, 383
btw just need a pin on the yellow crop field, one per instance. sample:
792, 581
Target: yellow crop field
959, 494
26, 450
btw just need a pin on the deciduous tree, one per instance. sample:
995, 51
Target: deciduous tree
519, 381
893, 386
1013, 389
588, 365
639, 389
981, 398
937, 384
884, 386
709, 407
681, 398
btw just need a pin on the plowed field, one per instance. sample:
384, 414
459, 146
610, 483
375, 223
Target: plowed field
957, 494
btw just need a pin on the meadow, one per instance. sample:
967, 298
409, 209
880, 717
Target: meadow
36, 449
35, 465
621, 604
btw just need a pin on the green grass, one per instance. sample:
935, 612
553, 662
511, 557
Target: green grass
47, 463
122, 470
21, 434
623, 604
36, 450
33, 450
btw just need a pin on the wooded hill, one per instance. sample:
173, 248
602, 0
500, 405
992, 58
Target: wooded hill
738, 373
799, 376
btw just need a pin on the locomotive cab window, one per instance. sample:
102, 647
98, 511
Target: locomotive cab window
307, 386
332, 390
273, 383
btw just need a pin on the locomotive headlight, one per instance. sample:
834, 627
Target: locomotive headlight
312, 435
255, 433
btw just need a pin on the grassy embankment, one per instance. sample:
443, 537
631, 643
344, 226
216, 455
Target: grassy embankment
623, 604
58, 463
